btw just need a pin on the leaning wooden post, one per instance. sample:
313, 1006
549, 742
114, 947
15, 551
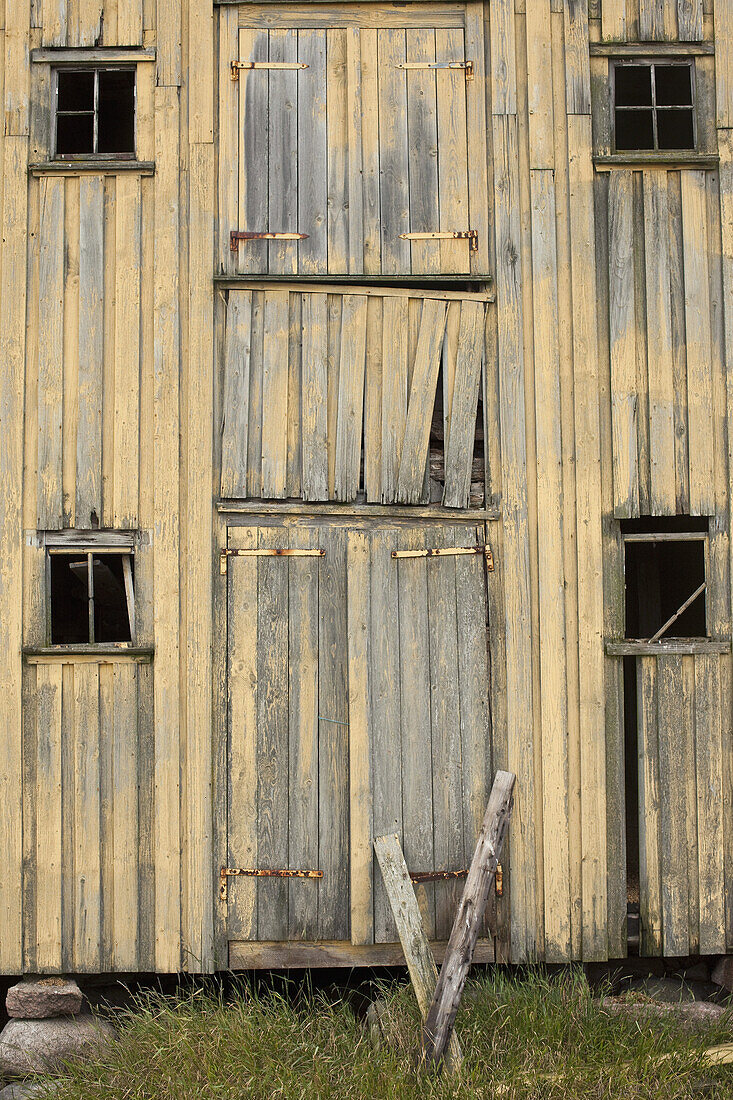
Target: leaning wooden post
410, 929
441, 1016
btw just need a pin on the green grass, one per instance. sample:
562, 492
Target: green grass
534, 1037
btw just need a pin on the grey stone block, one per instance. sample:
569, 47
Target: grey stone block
35, 1000
24, 1090
43, 1046
723, 972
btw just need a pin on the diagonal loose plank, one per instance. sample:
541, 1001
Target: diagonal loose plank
408, 919
441, 1016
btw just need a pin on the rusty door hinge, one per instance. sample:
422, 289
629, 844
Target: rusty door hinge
238, 235
259, 872
237, 65
499, 881
470, 235
267, 552
436, 876
449, 552
467, 66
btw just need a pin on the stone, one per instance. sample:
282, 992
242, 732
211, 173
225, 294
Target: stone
35, 1000
24, 1090
43, 1046
700, 972
690, 1012
723, 972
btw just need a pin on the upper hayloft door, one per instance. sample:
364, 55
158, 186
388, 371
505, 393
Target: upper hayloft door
353, 143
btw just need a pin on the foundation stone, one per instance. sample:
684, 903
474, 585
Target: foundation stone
44, 997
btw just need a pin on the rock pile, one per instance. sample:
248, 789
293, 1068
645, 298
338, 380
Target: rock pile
45, 1030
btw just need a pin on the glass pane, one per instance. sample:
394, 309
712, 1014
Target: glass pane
633, 86
74, 134
76, 91
673, 85
675, 129
116, 125
634, 130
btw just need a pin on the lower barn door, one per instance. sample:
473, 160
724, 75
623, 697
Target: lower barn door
419, 721
287, 735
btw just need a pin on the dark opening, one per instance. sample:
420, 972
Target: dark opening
660, 578
95, 112
72, 597
631, 776
653, 107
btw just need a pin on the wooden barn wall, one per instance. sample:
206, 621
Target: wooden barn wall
151, 314
650, 21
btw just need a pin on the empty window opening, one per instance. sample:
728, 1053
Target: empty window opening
95, 112
654, 106
665, 586
92, 597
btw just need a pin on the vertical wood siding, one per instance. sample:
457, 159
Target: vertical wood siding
88, 815
90, 22
652, 20
664, 362
90, 353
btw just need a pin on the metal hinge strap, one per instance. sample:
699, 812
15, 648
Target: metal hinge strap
237, 65
267, 552
260, 872
436, 876
470, 235
238, 235
448, 552
467, 66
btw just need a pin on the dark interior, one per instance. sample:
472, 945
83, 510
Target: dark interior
645, 93
113, 106
660, 576
70, 600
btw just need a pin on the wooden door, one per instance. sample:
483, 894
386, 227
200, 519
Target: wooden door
419, 721
353, 135
358, 705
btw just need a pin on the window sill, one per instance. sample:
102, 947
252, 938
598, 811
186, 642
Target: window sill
674, 647
93, 164
105, 651
89, 55
673, 159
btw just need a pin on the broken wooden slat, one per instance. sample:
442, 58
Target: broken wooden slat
441, 1016
350, 396
314, 397
422, 399
406, 912
459, 447
394, 392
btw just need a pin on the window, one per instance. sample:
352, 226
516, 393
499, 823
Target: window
95, 112
92, 597
665, 580
653, 106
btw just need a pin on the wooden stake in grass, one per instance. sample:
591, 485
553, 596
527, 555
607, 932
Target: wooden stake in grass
441, 1016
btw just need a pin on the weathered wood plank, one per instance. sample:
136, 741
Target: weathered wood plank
657, 21
88, 507
360, 749
384, 705
373, 401
690, 20
295, 403
421, 401
353, 136
460, 443
127, 351
275, 395
415, 721
54, 22
394, 393
724, 65
350, 396
370, 153
236, 411
256, 366
577, 59
673, 809
242, 763
337, 137
50, 354
539, 64
130, 23
679, 342
423, 144
254, 148
406, 913
283, 142
476, 121
698, 343
503, 59
303, 661
70, 354
272, 735
614, 21
709, 760
393, 152
659, 342
229, 130
49, 866
87, 908
124, 734
650, 886
314, 397
312, 154
333, 740
453, 158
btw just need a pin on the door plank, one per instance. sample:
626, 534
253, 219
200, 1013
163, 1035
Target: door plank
48, 818
275, 395
422, 129
414, 455
650, 886
314, 397
673, 809
312, 154
338, 167
453, 150
709, 757
236, 411
459, 447
394, 392
283, 142
351, 396
254, 150
393, 152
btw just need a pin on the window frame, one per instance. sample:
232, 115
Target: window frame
94, 67
79, 548
670, 536
652, 63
